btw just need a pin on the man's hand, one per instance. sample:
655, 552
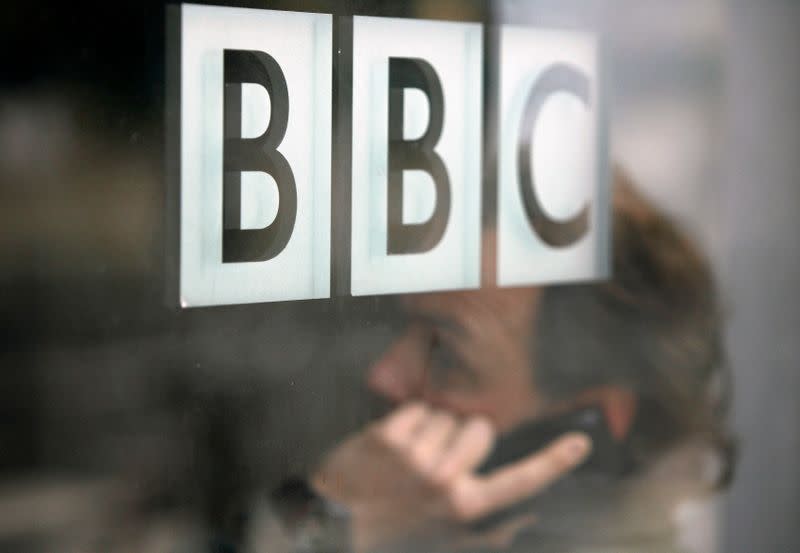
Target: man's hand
412, 475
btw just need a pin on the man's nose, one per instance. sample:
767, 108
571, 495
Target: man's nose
399, 374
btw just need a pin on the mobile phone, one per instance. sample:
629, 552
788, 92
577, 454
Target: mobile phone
608, 457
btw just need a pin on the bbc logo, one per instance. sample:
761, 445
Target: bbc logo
275, 116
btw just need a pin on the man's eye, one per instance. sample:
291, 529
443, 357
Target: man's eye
440, 355
445, 368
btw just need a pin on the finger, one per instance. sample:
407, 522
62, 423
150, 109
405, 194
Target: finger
468, 448
399, 427
431, 440
476, 497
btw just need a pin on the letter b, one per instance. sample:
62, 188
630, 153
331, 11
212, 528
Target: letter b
416, 200
255, 154
418, 154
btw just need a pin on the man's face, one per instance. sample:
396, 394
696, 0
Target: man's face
465, 352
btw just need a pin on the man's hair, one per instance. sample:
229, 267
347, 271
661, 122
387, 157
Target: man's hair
654, 328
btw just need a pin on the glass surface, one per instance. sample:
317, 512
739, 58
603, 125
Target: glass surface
581, 417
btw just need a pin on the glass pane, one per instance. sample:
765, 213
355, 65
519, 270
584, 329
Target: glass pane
398, 276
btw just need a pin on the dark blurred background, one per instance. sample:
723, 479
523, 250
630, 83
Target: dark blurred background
102, 378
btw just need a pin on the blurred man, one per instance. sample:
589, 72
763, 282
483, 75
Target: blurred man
571, 418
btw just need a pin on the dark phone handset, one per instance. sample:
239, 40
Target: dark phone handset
609, 458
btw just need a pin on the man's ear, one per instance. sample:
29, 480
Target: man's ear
619, 407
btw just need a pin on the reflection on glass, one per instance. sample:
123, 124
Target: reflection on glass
578, 418
546, 419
